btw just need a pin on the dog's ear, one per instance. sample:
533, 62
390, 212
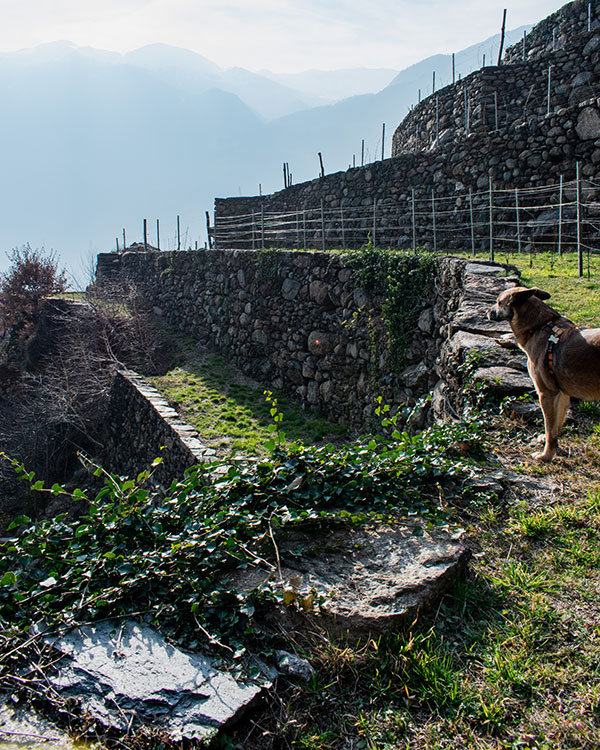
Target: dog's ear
522, 296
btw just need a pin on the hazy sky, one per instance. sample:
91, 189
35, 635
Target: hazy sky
281, 35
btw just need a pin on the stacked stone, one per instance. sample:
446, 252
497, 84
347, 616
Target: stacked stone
296, 322
141, 426
512, 137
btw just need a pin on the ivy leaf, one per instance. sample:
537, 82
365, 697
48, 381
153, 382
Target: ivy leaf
19, 521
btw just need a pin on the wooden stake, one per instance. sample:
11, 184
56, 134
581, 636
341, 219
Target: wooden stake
472, 222
374, 222
145, 236
178, 234
491, 220
383, 143
321, 163
518, 220
502, 37
560, 202
158, 233
414, 226
453, 68
362, 153
433, 221
579, 253
124, 241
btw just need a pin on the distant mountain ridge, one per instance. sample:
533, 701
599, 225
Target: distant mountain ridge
97, 141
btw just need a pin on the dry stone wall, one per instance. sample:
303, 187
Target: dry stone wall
494, 124
295, 322
141, 426
557, 30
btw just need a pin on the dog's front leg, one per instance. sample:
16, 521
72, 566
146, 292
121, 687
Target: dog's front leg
549, 404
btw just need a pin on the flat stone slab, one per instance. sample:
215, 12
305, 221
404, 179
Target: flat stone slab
488, 268
476, 322
371, 580
22, 729
124, 674
504, 380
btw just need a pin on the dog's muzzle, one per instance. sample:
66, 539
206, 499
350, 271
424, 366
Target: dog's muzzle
493, 313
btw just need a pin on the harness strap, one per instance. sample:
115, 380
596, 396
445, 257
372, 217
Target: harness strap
556, 331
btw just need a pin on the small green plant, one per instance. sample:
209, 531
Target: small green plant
278, 436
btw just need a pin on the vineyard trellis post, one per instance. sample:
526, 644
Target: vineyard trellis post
433, 221
374, 222
158, 230
578, 200
304, 227
472, 224
491, 220
560, 202
414, 226
518, 220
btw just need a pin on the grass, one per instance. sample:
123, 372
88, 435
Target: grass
511, 658
230, 411
573, 296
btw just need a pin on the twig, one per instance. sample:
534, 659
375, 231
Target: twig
276, 554
211, 638
29, 734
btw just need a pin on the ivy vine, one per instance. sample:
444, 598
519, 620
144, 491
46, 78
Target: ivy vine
402, 278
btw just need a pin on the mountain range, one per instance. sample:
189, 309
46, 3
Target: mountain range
95, 141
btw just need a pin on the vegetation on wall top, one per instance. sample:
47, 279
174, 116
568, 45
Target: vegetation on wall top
402, 278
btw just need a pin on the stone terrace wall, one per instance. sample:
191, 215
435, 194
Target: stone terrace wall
525, 154
141, 426
494, 98
294, 321
434, 150
556, 30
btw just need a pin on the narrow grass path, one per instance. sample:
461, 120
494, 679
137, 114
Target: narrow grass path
231, 411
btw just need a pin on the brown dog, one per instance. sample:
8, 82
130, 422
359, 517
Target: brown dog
563, 360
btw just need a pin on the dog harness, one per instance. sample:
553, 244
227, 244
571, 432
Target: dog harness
556, 331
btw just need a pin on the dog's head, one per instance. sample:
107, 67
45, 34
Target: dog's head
517, 300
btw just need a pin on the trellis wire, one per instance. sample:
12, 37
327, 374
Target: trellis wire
492, 220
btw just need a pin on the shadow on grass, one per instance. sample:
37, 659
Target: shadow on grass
217, 399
